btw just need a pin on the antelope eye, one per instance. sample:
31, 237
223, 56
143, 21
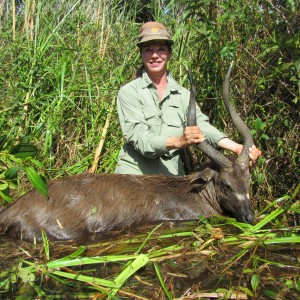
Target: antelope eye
226, 187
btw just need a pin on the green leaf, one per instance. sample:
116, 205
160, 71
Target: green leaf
258, 125
3, 186
289, 283
247, 271
260, 178
295, 208
37, 163
11, 173
26, 275
270, 294
297, 286
254, 281
5, 197
247, 291
23, 150
37, 181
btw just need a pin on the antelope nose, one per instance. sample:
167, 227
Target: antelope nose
249, 218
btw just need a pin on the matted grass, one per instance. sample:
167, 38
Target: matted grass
215, 258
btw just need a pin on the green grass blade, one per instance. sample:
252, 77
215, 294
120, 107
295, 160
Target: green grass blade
75, 254
147, 238
89, 260
273, 215
60, 263
86, 279
161, 281
275, 202
46, 244
278, 264
132, 268
164, 251
177, 234
38, 290
283, 240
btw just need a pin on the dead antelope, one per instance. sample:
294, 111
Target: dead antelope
83, 207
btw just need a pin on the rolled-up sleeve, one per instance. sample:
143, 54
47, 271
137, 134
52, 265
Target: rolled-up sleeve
213, 135
144, 138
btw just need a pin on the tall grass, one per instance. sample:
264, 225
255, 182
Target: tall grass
63, 69
62, 63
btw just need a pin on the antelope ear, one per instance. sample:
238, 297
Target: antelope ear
201, 178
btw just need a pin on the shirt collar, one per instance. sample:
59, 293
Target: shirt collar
173, 86
146, 81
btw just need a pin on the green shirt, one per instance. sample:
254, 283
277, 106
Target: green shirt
147, 122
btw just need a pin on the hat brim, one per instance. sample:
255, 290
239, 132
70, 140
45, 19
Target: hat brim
155, 38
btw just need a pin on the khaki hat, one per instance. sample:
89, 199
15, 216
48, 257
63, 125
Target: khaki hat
154, 31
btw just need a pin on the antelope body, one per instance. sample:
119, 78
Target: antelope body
83, 207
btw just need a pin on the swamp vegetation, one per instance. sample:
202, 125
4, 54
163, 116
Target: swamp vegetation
61, 66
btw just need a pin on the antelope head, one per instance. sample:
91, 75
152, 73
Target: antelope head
232, 178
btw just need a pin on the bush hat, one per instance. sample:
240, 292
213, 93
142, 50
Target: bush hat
153, 31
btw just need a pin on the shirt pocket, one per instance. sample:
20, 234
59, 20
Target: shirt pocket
153, 120
173, 116
149, 114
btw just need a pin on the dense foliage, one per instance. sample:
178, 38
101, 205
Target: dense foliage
62, 63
